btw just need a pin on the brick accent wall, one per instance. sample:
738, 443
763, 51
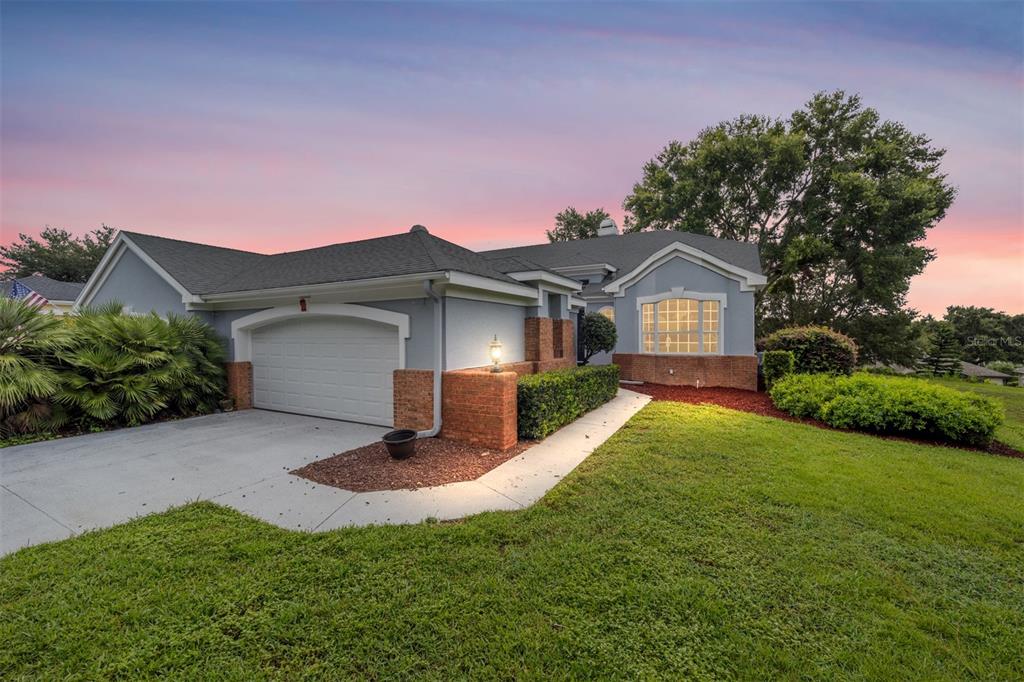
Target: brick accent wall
239, 376
480, 408
549, 344
730, 371
414, 399
568, 340
539, 342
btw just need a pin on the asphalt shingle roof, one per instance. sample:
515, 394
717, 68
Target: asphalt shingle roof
203, 269
627, 251
52, 289
971, 370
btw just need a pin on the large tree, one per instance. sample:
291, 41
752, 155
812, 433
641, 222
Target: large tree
57, 254
837, 199
571, 224
987, 335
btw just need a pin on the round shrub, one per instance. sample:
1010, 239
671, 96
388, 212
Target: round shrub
890, 405
816, 350
598, 335
777, 364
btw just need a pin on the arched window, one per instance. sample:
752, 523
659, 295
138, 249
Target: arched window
608, 311
680, 325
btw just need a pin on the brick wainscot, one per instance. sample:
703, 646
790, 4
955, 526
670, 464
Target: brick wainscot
729, 371
477, 405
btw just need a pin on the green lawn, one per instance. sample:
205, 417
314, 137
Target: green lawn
698, 542
1012, 397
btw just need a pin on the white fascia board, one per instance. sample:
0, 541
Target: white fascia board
547, 277
577, 302
325, 288
110, 260
585, 269
464, 279
749, 281
99, 275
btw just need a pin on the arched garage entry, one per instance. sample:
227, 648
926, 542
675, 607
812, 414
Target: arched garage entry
334, 360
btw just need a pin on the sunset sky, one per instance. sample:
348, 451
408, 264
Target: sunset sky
280, 126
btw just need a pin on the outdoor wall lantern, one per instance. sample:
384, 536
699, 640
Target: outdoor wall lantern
495, 354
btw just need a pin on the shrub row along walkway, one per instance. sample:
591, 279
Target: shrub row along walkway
760, 403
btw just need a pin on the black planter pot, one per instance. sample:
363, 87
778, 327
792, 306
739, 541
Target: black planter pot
400, 443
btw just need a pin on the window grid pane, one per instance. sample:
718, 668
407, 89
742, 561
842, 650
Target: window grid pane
674, 325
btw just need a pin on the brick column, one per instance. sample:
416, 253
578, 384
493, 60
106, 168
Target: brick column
568, 341
538, 346
480, 408
414, 399
239, 376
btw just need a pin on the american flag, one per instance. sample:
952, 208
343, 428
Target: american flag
19, 290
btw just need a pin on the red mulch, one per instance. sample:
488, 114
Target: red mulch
436, 461
760, 403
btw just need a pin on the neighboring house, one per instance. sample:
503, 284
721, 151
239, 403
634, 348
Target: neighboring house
49, 295
970, 371
359, 330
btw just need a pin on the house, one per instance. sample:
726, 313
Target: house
364, 330
49, 295
971, 371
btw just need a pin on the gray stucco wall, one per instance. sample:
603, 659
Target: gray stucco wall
472, 324
134, 284
419, 347
737, 319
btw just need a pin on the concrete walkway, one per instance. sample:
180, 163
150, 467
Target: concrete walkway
56, 489
517, 483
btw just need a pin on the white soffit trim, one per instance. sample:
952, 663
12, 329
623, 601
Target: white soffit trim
464, 279
324, 288
585, 269
242, 328
577, 302
550, 278
109, 262
682, 292
749, 281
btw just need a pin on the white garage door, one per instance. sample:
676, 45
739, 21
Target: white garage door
336, 367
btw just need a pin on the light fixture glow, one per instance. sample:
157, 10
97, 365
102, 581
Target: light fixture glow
495, 347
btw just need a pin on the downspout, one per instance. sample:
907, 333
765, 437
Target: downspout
428, 287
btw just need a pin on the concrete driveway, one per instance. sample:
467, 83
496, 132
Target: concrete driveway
55, 489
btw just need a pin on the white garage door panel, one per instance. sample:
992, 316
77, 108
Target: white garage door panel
335, 367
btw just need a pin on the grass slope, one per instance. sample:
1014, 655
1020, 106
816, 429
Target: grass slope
1012, 398
697, 542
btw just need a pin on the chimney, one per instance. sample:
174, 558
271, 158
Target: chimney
608, 228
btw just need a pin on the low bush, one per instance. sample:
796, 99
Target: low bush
890, 405
816, 350
777, 364
550, 400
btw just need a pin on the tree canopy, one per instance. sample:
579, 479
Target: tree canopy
837, 199
57, 254
571, 224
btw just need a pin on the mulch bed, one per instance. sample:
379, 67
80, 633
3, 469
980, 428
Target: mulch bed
760, 403
437, 461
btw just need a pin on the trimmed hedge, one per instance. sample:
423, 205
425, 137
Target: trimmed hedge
816, 350
548, 401
777, 364
890, 405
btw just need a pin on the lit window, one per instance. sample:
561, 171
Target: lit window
680, 325
608, 312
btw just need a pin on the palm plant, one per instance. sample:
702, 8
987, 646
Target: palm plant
29, 342
129, 369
